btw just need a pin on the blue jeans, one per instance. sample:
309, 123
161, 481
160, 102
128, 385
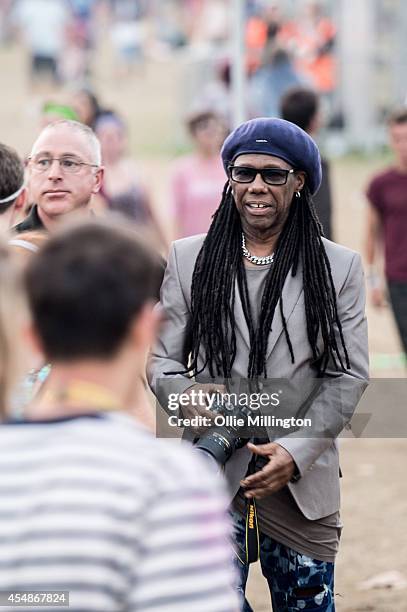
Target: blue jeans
297, 583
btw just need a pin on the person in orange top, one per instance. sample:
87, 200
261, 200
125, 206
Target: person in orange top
261, 31
312, 39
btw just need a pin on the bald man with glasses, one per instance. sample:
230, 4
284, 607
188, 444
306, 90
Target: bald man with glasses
64, 172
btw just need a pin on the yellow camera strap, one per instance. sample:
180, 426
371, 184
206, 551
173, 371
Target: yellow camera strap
252, 532
252, 540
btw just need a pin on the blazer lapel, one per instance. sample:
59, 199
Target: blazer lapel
240, 318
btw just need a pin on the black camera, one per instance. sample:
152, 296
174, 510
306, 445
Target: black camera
222, 440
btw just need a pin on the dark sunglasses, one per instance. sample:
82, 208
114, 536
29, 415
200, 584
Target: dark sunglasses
271, 176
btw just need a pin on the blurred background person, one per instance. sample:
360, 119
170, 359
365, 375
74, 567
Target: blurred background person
86, 105
52, 110
12, 187
43, 25
255, 39
386, 228
123, 190
127, 32
302, 107
198, 178
270, 82
215, 94
170, 29
80, 35
212, 23
5, 26
273, 18
262, 27
111, 527
312, 39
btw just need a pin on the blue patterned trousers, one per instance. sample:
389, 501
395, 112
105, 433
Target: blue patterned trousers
297, 583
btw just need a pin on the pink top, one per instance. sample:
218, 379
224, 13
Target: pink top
197, 185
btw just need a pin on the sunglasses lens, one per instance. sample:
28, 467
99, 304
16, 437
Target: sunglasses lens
273, 176
243, 175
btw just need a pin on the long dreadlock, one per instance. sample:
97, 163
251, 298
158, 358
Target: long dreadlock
220, 264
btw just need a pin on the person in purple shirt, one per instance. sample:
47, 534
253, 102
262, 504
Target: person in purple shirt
387, 227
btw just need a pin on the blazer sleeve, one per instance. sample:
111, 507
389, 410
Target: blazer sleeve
338, 395
167, 353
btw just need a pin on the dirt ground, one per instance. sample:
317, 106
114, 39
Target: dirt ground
374, 487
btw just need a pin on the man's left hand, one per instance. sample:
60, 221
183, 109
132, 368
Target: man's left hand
274, 475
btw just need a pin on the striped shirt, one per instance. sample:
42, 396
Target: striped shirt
96, 506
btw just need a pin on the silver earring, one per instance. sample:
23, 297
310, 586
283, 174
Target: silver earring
297, 194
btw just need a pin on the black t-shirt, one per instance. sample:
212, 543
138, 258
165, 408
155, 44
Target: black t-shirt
31, 222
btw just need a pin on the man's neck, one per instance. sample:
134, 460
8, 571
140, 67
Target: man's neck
48, 222
89, 386
261, 243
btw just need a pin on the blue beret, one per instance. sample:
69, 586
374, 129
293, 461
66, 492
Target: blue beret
276, 137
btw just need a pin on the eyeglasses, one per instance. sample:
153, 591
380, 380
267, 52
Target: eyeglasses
68, 165
271, 176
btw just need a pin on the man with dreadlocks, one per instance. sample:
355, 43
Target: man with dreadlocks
265, 294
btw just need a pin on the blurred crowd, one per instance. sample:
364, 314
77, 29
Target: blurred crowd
61, 37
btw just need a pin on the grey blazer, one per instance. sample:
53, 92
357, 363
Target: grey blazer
317, 492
